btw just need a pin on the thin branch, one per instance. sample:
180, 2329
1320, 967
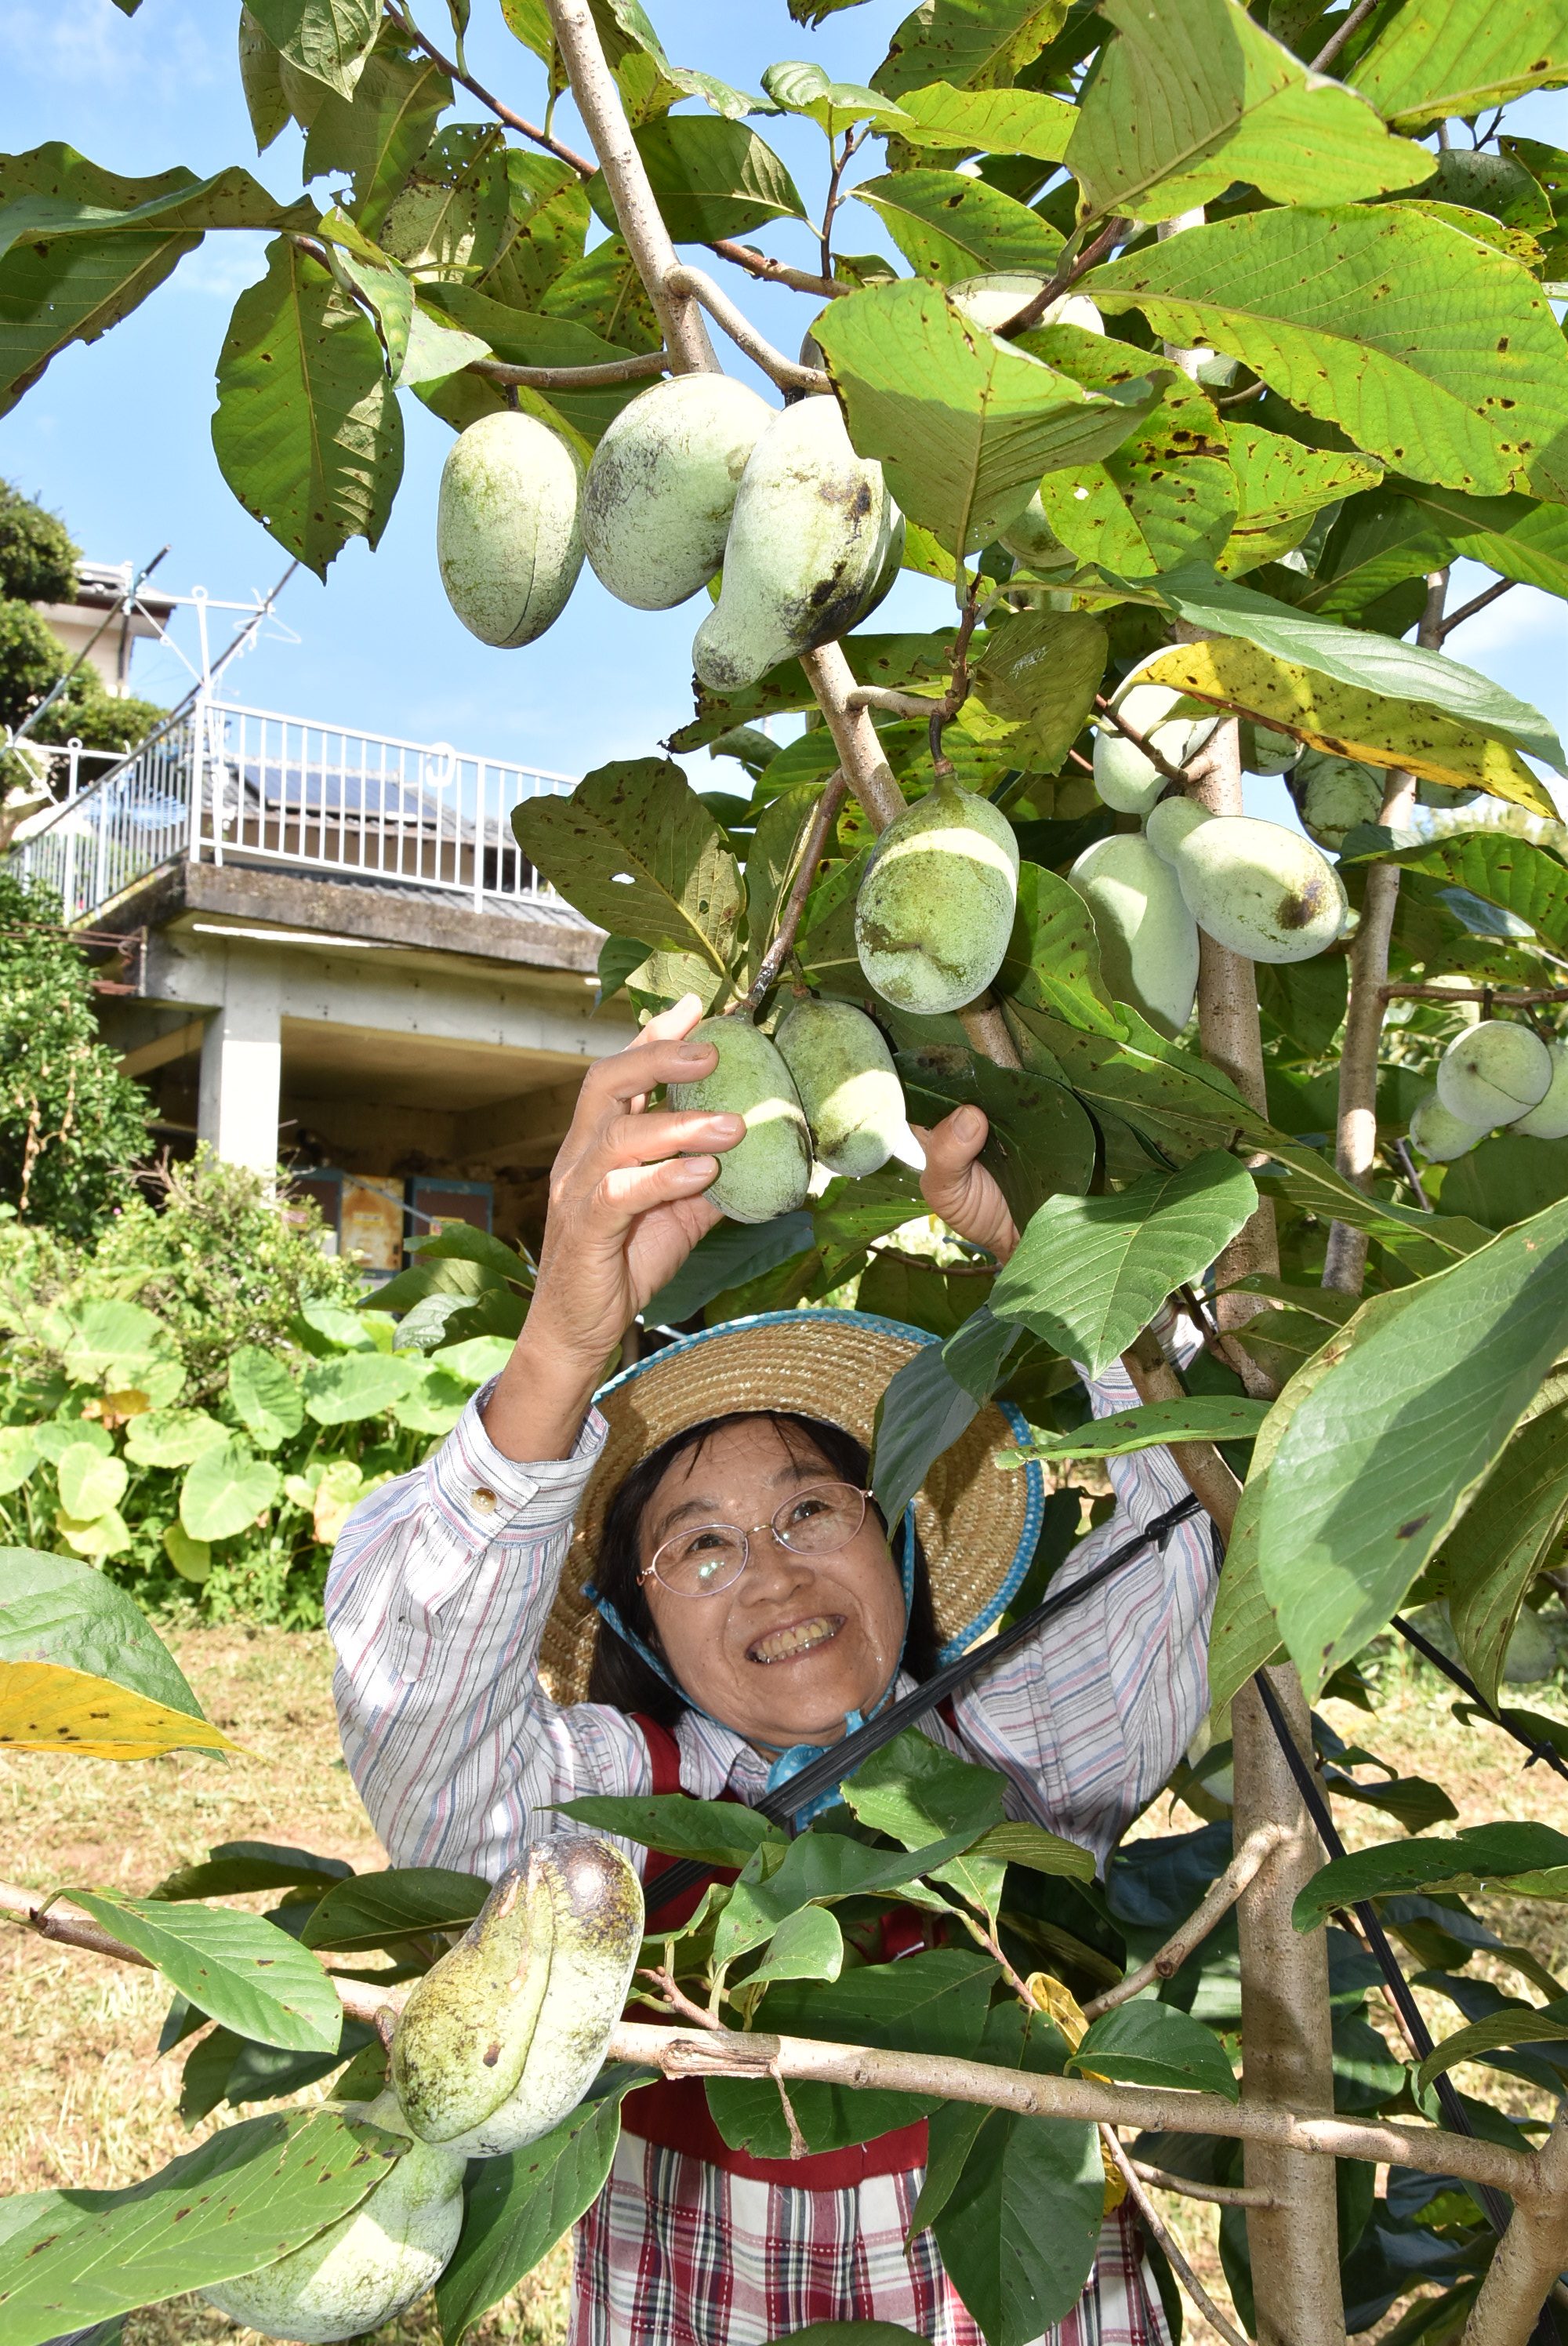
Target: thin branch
582, 164
777, 273
1340, 35
1215, 1339
1407, 1162
1068, 270
957, 692
788, 373
1156, 758
783, 941
884, 697
1219, 2195
1519, 1001
572, 378
1162, 2239
852, 138
1163, 1964
1476, 603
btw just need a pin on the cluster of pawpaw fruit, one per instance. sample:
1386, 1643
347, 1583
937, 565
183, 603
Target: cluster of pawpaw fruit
1494, 1073
495, 2045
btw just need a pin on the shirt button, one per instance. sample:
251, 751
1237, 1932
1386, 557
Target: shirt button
485, 1500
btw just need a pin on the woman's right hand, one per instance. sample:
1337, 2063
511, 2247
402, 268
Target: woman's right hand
625, 1212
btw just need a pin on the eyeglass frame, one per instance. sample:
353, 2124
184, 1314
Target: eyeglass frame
830, 1483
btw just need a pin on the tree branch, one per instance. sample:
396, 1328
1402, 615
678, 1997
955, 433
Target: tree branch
1530, 2256
1519, 1001
631, 369
1250, 1859
783, 942
1342, 31
581, 164
1156, 758
1476, 603
788, 373
1065, 275
777, 273
1219, 2195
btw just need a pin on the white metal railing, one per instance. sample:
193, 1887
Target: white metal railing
217, 781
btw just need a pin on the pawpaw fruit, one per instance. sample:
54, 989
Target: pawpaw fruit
990, 301
506, 534
1548, 1120
848, 1088
1031, 541
766, 1173
1259, 888
505, 2034
1437, 1135
370, 2266
1334, 794
1265, 751
1168, 823
814, 544
935, 907
661, 487
1126, 778
1494, 1073
1149, 939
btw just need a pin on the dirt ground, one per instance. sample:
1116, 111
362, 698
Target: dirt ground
85, 2099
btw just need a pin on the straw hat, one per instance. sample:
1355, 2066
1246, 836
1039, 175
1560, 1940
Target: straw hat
977, 1522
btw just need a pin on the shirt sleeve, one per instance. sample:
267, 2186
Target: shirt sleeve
1088, 1720
439, 1591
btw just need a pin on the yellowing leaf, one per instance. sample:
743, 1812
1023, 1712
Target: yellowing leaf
1347, 722
46, 1708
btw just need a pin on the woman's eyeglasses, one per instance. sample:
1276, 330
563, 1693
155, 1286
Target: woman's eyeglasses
818, 1521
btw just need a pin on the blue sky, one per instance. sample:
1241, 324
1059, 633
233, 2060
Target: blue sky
116, 437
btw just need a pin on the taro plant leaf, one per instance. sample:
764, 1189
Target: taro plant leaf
267, 1399
975, 44
46, 1706
1146, 2043
1203, 1417
996, 121
727, 1257
247, 2195
1504, 1536
716, 1830
1090, 1272
235, 1867
1500, 1852
1194, 96
90, 1485
1525, 2025
986, 418
376, 1910
357, 1385
1460, 58
1430, 1388
518, 2206
914, 1790
1408, 335
58, 1610
948, 226
1040, 1143
808, 1944
225, 1489
172, 1437
327, 39
712, 177
635, 848
241, 1968
308, 432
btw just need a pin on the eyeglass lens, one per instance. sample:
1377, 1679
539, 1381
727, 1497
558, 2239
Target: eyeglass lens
817, 1521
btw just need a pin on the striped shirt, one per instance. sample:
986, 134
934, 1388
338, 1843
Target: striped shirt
436, 1601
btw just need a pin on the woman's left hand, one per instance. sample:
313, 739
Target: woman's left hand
956, 1185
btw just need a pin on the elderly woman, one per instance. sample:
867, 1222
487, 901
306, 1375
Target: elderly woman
684, 1585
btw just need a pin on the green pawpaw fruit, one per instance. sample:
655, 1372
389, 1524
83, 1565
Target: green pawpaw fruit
1445, 796
1031, 541
1259, 888
814, 544
935, 907
1167, 824
505, 2034
1126, 778
662, 484
369, 2266
766, 1173
506, 535
1437, 1135
1548, 1120
1334, 794
1265, 751
848, 1088
1494, 1073
1148, 940
990, 301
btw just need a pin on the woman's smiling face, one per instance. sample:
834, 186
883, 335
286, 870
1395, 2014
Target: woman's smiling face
797, 1642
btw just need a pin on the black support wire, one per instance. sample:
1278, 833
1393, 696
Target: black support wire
1452, 1671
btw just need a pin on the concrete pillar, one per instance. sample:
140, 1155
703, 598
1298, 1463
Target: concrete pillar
241, 1070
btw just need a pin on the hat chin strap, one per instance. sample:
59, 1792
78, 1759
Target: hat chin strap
790, 1761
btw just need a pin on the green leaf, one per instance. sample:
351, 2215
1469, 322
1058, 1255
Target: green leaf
1523, 2025
986, 418
308, 432
474, 1359
266, 1398
650, 84
950, 227
377, 1910
1194, 96
1431, 1385
236, 1867
923, 1412
89, 1485
380, 134
171, 1437
1205, 1417
1477, 1853
532, 338
1281, 484
1041, 1142
241, 1968
635, 848
261, 79
58, 1610
806, 1945
19, 1454
229, 199
517, 2207
823, 1866
711, 178
1414, 340
994, 121
92, 2255
1039, 672
730, 1254
975, 44
1305, 999
1090, 1272
1019, 2230
357, 1386
1504, 1536
1036, 1850
328, 40
225, 1489
1461, 58
718, 1831
1507, 1179
914, 1790
833, 106
1146, 2043
1527, 881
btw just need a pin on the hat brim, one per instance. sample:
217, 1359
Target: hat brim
978, 1522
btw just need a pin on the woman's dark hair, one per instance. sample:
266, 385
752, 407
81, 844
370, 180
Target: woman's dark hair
619, 1674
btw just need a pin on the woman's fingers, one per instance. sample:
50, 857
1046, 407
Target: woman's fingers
667, 1132
627, 1191
630, 1075
959, 1188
